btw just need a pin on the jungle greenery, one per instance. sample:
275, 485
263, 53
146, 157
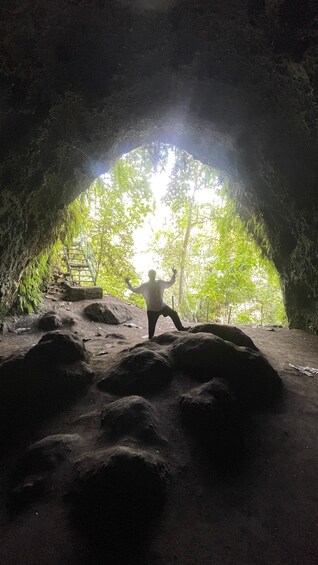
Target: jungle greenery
222, 272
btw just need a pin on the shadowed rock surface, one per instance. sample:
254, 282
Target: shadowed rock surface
255, 382
46, 454
110, 313
149, 344
11, 380
208, 405
230, 333
225, 479
252, 378
31, 477
131, 416
52, 321
140, 371
212, 413
56, 347
119, 484
200, 354
27, 492
165, 338
50, 375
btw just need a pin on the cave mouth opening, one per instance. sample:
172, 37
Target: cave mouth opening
99, 82
159, 207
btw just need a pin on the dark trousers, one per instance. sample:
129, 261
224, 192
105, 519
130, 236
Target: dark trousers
166, 311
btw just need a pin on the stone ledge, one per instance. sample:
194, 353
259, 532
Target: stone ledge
75, 293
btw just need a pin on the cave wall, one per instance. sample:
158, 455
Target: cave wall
234, 83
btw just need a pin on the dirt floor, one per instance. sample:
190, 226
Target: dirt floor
265, 514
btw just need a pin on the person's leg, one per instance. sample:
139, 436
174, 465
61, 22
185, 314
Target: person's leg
167, 311
152, 320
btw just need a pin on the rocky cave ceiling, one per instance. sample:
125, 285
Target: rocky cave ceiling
234, 83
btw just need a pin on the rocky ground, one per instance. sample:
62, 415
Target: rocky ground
257, 507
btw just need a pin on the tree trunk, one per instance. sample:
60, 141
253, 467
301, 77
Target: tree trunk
185, 245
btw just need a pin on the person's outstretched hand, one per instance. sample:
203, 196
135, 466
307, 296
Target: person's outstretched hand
127, 279
174, 271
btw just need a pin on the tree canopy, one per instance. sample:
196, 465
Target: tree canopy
222, 272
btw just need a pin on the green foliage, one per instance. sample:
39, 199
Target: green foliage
38, 273
72, 222
36, 276
223, 273
188, 179
157, 154
111, 210
107, 215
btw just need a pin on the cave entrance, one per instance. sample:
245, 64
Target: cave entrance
159, 207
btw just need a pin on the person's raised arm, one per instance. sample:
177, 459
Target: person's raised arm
137, 289
168, 284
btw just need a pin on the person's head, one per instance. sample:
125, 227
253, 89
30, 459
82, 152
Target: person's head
152, 275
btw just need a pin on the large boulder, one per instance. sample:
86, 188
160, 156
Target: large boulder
131, 416
52, 387
46, 454
252, 378
255, 382
56, 347
203, 355
229, 333
212, 414
166, 338
53, 320
140, 371
13, 389
55, 371
209, 406
46, 378
31, 478
11, 377
118, 484
108, 313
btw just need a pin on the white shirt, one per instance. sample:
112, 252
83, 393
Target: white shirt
152, 292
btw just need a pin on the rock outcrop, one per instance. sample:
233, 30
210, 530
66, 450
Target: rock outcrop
76, 293
229, 333
46, 454
53, 320
56, 347
131, 416
113, 476
31, 477
212, 413
109, 313
117, 485
138, 371
51, 374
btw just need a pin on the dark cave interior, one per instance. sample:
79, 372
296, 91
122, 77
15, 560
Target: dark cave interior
193, 446
235, 84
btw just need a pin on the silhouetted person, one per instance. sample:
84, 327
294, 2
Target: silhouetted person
152, 292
